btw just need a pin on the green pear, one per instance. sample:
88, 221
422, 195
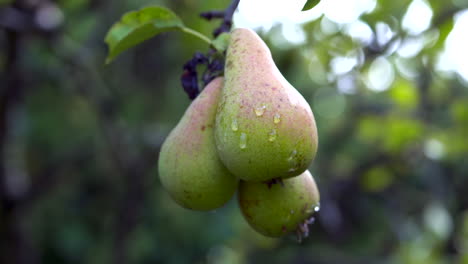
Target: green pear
277, 209
189, 167
265, 128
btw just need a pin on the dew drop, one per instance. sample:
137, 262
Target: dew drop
317, 207
272, 135
277, 118
243, 141
260, 110
234, 125
293, 155
293, 161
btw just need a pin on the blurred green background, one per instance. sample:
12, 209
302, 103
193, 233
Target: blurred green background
79, 140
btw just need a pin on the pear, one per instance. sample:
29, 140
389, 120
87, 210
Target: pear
277, 209
265, 128
189, 167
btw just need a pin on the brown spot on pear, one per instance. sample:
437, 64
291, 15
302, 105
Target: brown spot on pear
277, 210
189, 167
254, 106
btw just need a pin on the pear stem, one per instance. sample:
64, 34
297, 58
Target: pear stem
196, 34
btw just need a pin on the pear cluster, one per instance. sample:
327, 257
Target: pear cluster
250, 131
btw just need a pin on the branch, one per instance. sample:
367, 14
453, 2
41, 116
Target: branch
226, 15
214, 66
374, 49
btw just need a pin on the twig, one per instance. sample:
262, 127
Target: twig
214, 66
226, 15
375, 49
189, 78
213, 14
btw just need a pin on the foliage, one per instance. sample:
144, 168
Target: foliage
138, 26
81, 142
310, 4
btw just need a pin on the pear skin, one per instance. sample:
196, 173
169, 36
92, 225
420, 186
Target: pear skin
265, 128
189, 167
277, 209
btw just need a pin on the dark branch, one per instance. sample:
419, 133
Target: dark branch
189, 78
212, 14
226, 15
214, 66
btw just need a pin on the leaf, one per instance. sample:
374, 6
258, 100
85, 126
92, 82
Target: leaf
404, 94
221, 42
137, 26
310, 4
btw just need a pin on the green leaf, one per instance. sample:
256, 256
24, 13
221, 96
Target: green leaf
221, 42
310, 4
137, 26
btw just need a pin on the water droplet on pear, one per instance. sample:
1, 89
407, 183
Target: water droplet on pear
234, 125
277, 118
243, 141
245, 95
272, 135
188, 166
260, 110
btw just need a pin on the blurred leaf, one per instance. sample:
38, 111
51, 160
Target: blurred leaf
5, 2
369, 129
389, 12
376, 179
84, 24
73, 239
72, 5
141, 245
310, 4
341, 46
393, 133
138, 26
454, 141
444, 30
459, 111
400, 132
404, 93
463, 234
464, 258
417, 251
437, 5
